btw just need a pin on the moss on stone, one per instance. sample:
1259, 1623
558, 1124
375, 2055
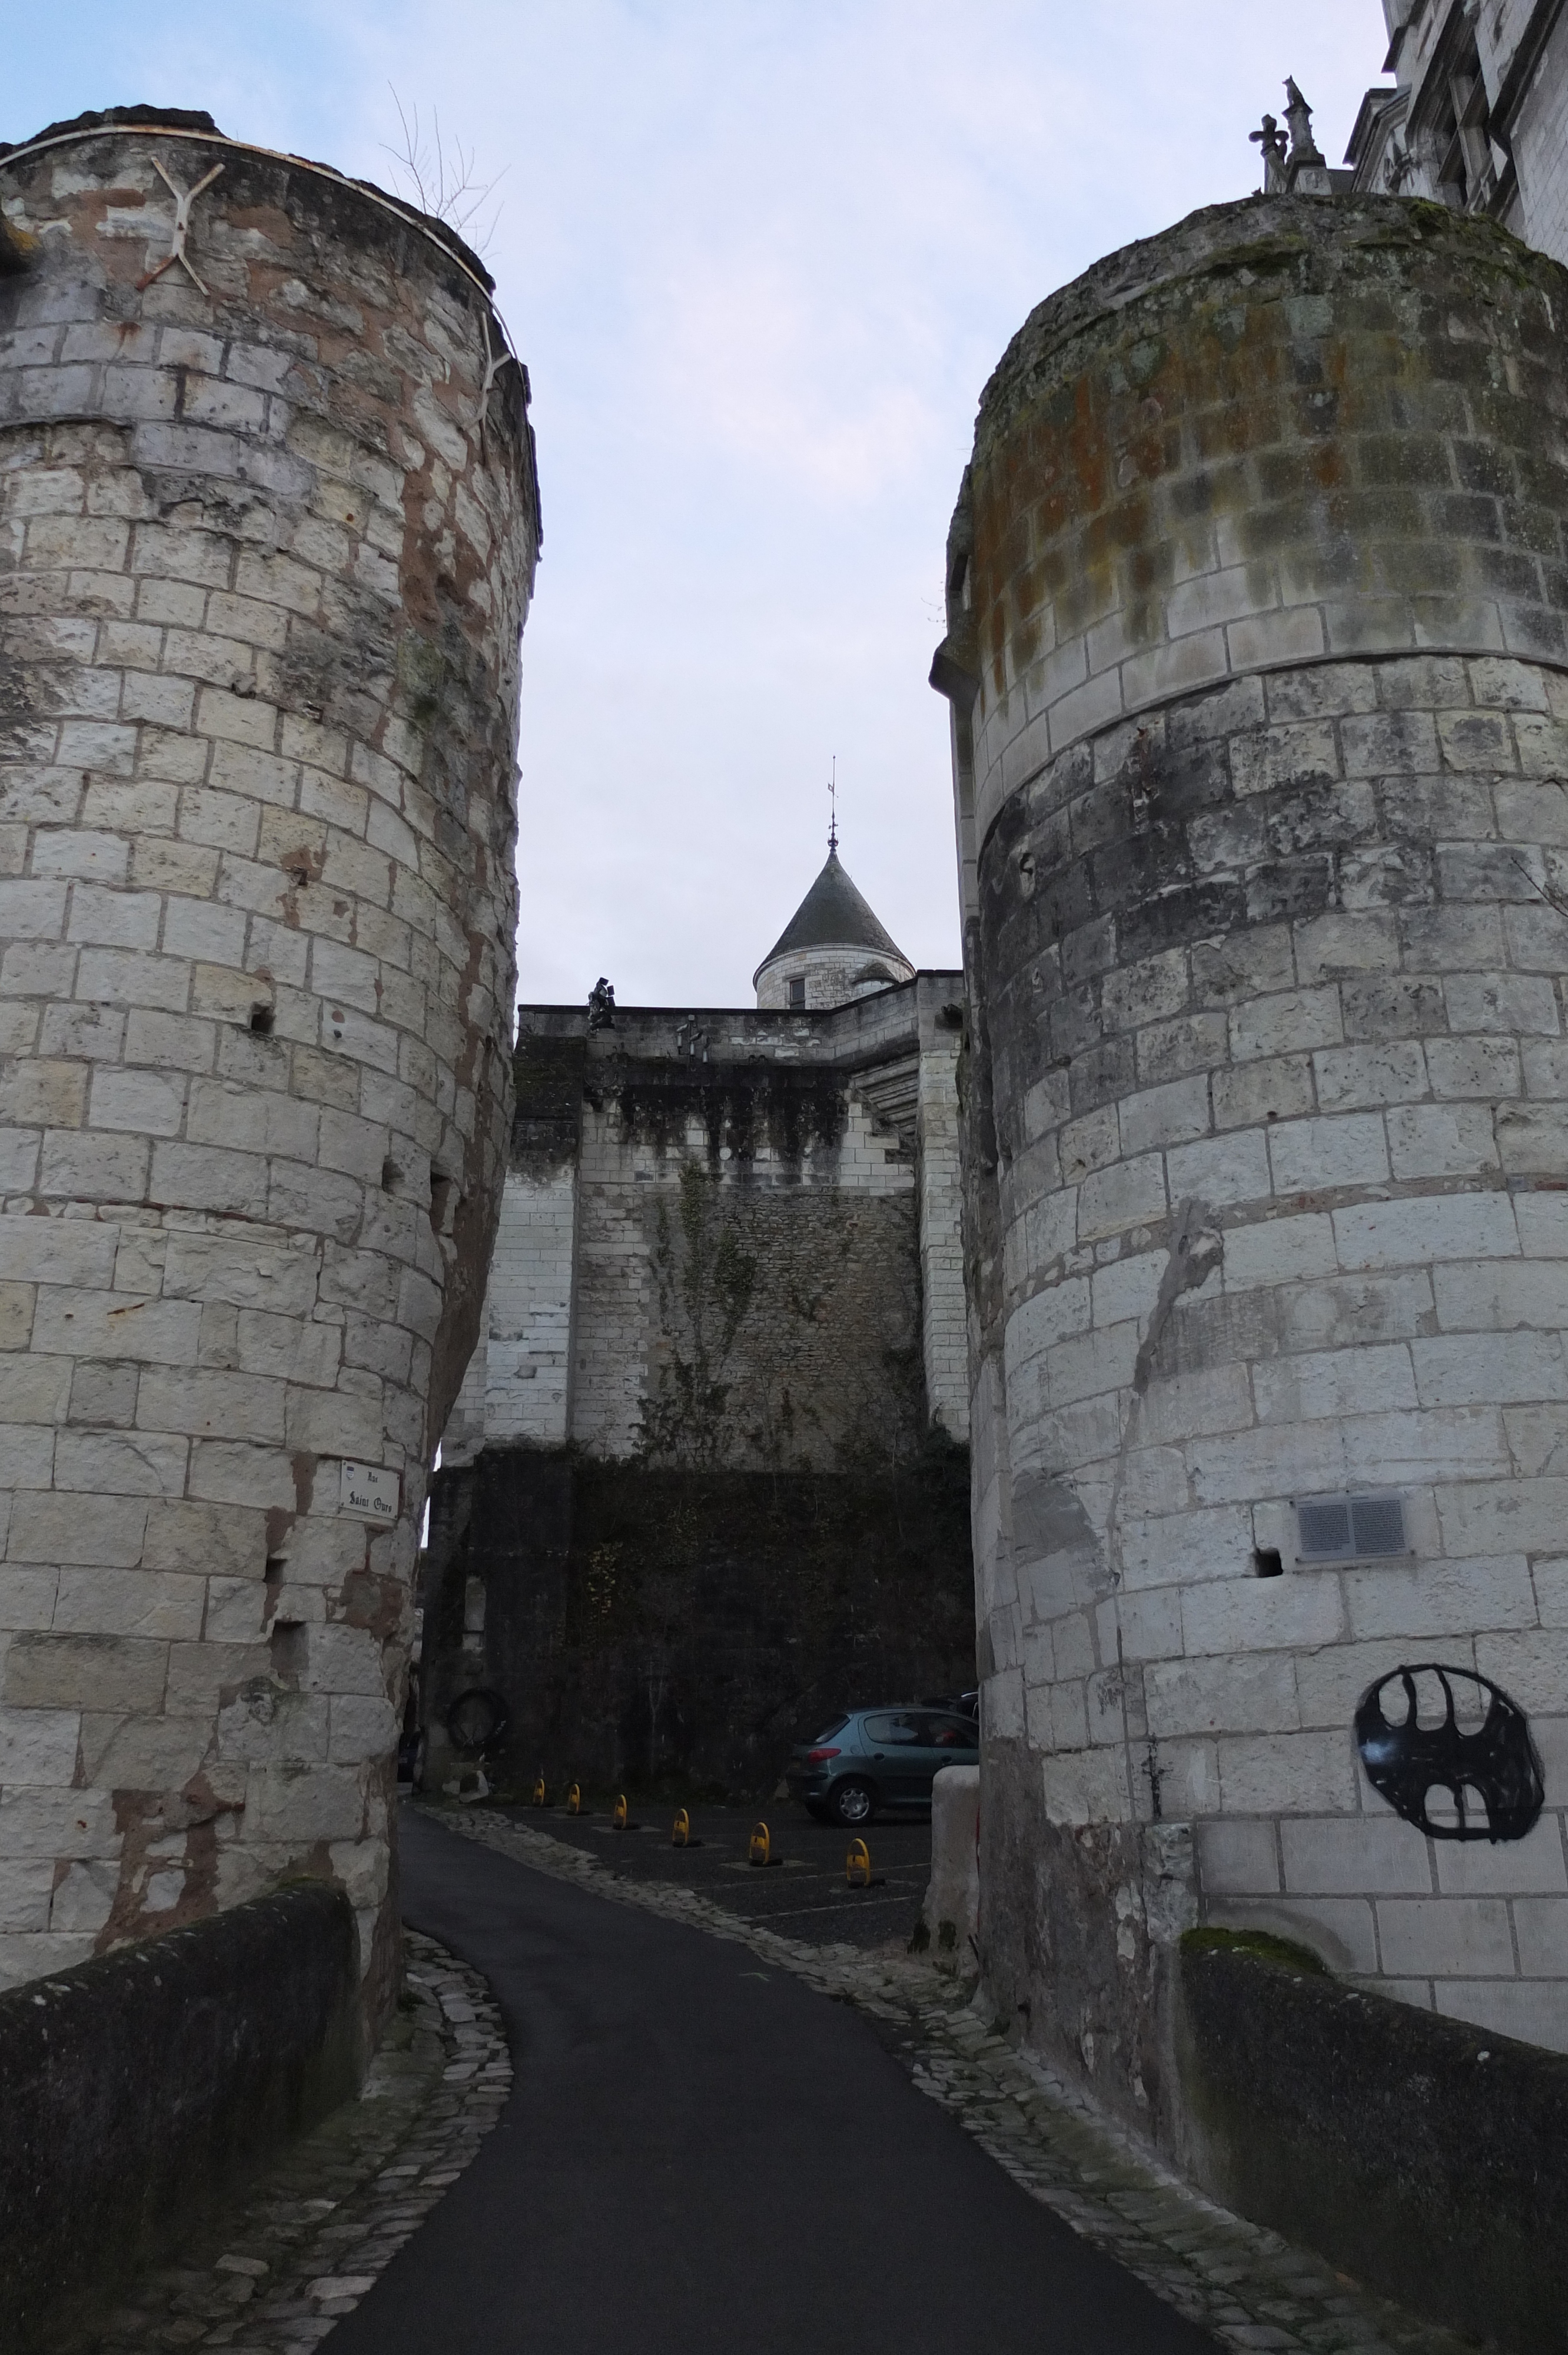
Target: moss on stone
1263, 1943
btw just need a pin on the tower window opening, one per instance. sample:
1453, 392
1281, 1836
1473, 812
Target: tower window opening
798, 996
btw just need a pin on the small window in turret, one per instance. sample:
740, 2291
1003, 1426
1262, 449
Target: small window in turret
798, 996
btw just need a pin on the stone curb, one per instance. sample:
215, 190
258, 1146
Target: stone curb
272, 2276
1251, 2289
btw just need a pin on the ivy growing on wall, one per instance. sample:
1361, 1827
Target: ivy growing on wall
787, 1326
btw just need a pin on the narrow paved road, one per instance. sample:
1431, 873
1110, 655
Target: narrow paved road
702, 2157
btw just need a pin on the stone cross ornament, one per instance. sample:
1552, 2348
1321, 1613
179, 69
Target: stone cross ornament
1270, 141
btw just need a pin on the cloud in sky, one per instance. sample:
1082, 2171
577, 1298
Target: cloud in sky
761, 256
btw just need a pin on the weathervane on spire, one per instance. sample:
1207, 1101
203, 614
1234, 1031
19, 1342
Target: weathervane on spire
834, 806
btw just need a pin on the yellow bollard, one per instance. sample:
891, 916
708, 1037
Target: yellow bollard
539, 1788
761, 1845
681, 1832
618, 1815
857, 1865
574, 1800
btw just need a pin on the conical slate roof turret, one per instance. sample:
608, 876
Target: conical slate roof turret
832, 915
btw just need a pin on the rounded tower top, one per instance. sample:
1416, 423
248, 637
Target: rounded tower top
831, 950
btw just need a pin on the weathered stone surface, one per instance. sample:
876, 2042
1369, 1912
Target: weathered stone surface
267, 541
1264, 1118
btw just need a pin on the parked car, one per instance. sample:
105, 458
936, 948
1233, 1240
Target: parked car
879, 1761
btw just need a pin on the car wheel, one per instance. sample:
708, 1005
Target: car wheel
853, 1803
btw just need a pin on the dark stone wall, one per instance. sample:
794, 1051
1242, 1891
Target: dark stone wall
141, 2088
1428, 2157
647, 1626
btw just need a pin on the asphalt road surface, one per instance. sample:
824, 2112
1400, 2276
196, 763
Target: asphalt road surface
702, 2157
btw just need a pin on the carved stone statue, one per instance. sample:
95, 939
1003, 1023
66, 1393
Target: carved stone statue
601, 1006
1304, 148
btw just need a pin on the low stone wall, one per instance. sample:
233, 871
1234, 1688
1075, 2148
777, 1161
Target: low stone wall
1427, 2157
142, 2086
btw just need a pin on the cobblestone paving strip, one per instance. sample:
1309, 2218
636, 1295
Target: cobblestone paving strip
1248, 2287
310, 2237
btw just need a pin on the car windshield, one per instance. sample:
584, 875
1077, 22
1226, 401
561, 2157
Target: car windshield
828, 1731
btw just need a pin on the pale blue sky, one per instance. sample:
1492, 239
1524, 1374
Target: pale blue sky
760, 256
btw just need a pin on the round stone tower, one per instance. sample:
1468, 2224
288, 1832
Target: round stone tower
1257, 653
268, 531
832, 949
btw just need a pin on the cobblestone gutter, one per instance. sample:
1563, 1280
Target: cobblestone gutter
279, 2271
1252, 2289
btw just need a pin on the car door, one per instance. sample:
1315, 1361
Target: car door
897, 1755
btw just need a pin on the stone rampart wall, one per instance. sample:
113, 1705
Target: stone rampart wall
759, 1306
829, 1149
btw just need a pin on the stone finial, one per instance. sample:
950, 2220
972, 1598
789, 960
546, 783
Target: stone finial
1270, 141
1306, 172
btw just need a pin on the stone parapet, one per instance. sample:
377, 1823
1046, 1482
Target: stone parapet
112, 2156
268, 529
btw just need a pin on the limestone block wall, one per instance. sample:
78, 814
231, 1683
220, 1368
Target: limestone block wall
518, 1383
1266, 1133
267, 527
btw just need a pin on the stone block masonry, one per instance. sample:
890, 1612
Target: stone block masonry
268, 530
1267, 1138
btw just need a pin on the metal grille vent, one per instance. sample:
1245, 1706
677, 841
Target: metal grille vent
1345, 1528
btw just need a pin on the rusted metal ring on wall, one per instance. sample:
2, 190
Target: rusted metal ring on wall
477, 1719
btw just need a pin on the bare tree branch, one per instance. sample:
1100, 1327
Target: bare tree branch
440, 178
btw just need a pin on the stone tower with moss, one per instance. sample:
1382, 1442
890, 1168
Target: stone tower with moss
1257, 662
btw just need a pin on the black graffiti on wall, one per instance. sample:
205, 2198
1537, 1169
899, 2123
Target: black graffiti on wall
1429, 1729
